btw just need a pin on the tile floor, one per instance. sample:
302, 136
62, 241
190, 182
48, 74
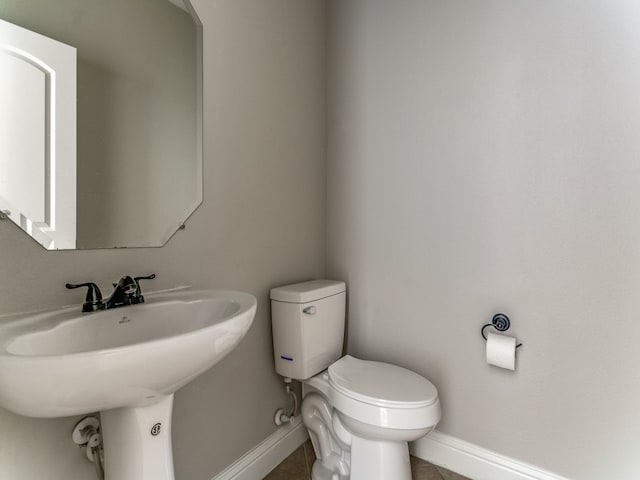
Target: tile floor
298, 467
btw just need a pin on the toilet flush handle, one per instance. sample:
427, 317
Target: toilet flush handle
309, 310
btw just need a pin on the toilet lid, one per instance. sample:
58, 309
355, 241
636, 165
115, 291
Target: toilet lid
381, 384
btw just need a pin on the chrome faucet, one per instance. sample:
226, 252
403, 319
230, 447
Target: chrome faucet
126, 292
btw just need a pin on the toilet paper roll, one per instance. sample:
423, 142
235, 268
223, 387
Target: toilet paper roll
501, 351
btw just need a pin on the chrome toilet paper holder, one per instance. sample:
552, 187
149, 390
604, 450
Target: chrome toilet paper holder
500, 322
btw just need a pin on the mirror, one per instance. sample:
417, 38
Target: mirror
101, 120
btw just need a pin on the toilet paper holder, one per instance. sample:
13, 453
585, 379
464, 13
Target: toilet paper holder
500, 322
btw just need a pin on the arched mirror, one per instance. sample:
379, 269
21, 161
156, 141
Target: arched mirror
100, 120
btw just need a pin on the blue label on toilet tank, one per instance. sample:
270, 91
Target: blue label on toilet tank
288, 359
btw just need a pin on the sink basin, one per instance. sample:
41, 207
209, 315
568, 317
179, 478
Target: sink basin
64, 362
126, 363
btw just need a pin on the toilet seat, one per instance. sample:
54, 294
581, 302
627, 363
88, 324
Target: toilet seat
379, 394
381, 384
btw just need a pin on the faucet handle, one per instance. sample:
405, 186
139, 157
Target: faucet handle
93, 300
148, 277
139, 291
128, 285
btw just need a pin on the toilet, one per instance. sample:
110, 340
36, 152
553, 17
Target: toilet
360, 414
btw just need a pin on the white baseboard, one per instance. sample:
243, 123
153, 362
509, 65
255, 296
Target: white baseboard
441, 449
264, 457
473, 461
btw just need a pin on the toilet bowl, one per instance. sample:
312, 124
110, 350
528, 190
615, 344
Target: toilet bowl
360, 414
374, 410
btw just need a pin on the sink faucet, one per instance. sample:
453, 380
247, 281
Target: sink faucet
126, 292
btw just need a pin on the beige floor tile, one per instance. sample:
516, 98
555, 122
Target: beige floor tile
417, 462
298, 467
425, 472
449, 475
310, 455
293, 468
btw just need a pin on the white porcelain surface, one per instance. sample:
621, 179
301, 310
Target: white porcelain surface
310, 291
307, 337
359, 414
381, 384
349, 449
401, 417
130, 452
63, 362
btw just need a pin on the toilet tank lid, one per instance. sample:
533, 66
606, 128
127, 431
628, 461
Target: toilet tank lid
305, 292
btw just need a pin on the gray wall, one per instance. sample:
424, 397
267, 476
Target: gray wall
262, 224
483, 157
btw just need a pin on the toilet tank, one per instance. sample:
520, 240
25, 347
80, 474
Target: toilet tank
307, 322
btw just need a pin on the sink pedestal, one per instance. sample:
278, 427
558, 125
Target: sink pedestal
137, 442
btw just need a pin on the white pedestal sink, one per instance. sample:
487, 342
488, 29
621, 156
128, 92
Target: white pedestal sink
125, 362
